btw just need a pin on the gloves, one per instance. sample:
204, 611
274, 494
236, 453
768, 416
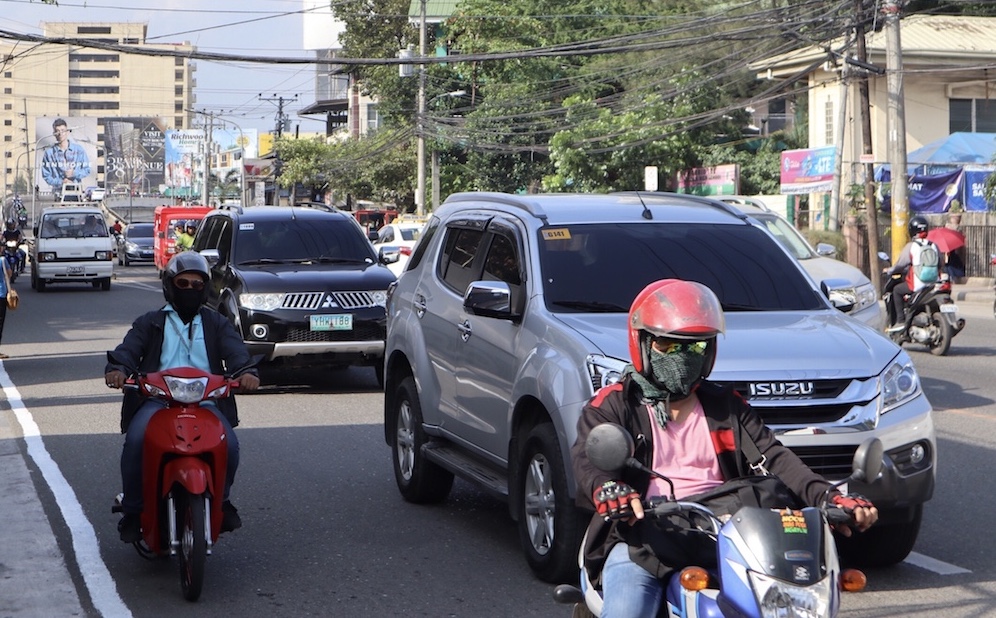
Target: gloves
612, 500
849, 502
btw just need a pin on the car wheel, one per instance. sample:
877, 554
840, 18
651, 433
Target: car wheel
105, 284
418, 479
34, 279
550, 525
40, 284
378, 368
127, 262
881, 545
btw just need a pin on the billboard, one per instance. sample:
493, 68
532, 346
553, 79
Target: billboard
183, 158
65, 153
134, 150
809, 170
718, 180
226, 140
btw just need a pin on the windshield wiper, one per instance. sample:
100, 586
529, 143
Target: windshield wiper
262, 261
735, 307
339, 260
591, 305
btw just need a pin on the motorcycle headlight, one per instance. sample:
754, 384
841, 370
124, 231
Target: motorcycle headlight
186, 390
900, 382
603, 370
781, 599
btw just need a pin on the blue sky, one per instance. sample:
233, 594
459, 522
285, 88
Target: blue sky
245, 27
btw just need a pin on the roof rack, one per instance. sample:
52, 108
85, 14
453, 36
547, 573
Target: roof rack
712, 202
502, 198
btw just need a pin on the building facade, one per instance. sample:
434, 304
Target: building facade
107, 81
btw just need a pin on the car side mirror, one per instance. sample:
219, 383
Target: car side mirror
388, 256
489, 299
826, 250
211, 255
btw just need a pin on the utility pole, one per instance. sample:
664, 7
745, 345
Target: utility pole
420, 119
281, 120
896, 123
864, 109
833, 223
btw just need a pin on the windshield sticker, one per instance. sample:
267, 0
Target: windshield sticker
557, 234
247, 226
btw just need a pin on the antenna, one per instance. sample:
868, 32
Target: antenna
647, 214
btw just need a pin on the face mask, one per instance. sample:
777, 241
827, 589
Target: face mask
186, 303
677, 372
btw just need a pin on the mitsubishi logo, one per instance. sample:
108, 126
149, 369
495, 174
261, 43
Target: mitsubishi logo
329, 302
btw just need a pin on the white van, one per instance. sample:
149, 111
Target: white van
72, 244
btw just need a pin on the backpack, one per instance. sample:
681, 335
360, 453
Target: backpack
926, 261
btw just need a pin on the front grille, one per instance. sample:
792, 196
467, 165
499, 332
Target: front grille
803, 414
780, 390
832, 462
327, 300
360, 332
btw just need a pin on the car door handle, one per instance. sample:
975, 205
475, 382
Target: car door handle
419, 303
465, 330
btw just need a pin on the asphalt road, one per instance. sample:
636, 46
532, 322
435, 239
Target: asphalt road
326, 533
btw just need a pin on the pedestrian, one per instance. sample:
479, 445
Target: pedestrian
9, 299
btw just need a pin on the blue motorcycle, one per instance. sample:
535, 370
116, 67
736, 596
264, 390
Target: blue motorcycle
771, 562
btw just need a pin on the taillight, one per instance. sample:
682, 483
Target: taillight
406, 250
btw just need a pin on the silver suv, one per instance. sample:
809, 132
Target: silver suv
512, 311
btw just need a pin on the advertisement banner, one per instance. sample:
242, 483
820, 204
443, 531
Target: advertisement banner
183, 157
66, 153
809, 170
975, 187
227, 140
926, 194
259, 170
719, 180
134, 151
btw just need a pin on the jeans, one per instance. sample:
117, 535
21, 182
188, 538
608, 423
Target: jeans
131, 455
628, 590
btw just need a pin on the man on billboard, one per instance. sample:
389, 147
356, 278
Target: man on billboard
65, 161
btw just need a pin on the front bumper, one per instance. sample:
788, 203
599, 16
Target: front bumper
286, 333
73, 271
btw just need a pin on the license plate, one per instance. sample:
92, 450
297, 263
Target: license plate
949, 308
75, 270
338, 321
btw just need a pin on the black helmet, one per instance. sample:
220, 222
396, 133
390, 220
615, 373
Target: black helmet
11, 224
918, 225
185, 262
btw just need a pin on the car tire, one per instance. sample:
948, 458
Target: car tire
105, 284
881, 545
550, 525
419, 480
126, 262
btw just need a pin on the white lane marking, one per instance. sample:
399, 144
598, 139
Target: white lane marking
932, 564
96, 577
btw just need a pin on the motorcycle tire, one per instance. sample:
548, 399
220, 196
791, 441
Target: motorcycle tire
947, 333
550, 525
419, 480
191, 515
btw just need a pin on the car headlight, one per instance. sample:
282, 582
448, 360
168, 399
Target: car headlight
781, 599
378, 297
604, 370
130, 246
261, 302
900, 382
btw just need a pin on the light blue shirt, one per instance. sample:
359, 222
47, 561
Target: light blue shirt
183, 344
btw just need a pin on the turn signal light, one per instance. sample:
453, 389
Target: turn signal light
695, 579
852, 580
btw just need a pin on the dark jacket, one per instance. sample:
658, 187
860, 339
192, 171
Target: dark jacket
725, 410
143, 345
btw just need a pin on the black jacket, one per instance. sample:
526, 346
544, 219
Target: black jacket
725, 411
143, 345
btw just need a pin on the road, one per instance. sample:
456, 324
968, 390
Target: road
326, 533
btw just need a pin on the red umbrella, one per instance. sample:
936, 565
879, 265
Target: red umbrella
946, 239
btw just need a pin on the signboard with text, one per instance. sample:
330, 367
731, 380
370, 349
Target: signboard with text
718, 180
809, 170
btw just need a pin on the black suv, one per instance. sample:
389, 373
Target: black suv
304, 286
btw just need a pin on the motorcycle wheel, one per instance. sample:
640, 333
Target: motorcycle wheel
190, 520
419, 481
550, 526
947, 333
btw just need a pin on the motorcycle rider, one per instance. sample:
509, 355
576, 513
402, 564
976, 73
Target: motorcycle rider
183, 333
12, 232
683, 428
918, 228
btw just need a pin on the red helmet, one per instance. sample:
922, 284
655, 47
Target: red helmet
678, 310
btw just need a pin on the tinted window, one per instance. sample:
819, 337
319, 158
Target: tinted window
459, 250
603, 267
301, 240
138, 230
420, 248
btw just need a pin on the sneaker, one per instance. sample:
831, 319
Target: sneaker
130, 528
230, 519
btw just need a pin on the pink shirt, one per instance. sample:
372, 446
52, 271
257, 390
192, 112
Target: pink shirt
684, 453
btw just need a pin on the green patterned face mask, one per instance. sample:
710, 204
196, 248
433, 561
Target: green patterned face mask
677, 371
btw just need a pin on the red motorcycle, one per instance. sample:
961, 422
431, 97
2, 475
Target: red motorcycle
184, 461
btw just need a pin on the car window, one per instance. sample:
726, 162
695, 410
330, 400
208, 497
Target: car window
301, 240
786, 234
386, 234
410, 233
459, 250
139, 231
420, 248
603, 267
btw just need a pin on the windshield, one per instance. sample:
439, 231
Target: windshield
302, 240
786, 234
602, 267
74, 225
139, 231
